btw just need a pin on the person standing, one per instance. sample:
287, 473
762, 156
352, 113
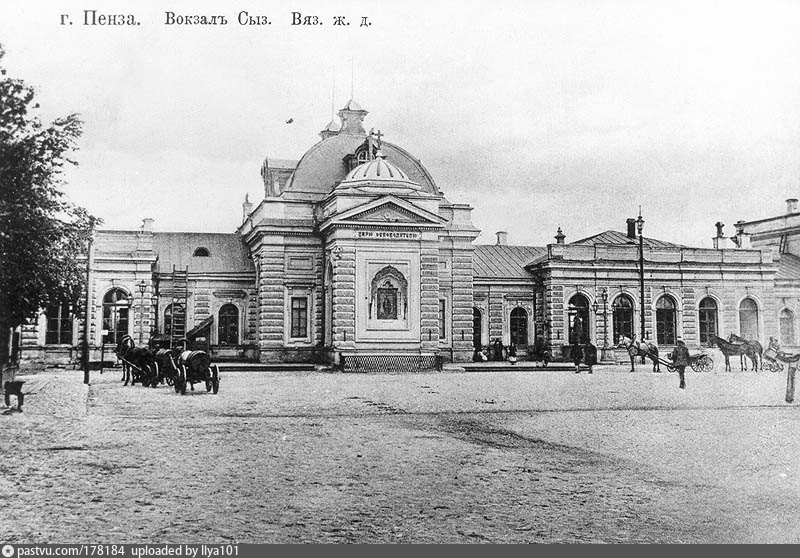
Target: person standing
680, 358
590, 355
577, 356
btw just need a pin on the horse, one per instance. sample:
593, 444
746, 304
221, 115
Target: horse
729, 349
166, 369
137, 362
125, 344
757, 348
642, 349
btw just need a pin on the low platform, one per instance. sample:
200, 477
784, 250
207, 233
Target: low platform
261, 367
505, 366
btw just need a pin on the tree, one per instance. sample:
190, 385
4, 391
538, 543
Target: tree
43, 236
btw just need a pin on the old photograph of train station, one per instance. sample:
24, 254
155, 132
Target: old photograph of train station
371, 274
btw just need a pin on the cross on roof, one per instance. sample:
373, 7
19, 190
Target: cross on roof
378, 135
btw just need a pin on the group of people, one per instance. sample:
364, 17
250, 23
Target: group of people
585, 353
495, 352
580, 353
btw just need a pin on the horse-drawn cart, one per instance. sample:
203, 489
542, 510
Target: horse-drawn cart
195, 367
700, 362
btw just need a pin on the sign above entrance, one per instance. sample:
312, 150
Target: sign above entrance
391, 235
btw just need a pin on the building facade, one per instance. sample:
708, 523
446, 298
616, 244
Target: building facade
355, 257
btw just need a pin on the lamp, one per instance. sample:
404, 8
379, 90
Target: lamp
142, 285
604, 296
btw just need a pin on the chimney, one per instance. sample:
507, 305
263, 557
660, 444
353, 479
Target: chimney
502, 238
631, 227
247, 207
791, 205
560, 236
719, 240
742, 239
147, 224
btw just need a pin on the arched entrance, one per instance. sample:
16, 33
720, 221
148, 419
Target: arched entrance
578, 314
116, 309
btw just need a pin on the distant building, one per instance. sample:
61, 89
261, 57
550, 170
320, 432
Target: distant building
355, 257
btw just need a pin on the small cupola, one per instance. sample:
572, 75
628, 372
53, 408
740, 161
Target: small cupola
332, 129
352, 116
379, 176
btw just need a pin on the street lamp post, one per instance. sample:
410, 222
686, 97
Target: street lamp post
639, 228
142, 288
596, 309
604, 295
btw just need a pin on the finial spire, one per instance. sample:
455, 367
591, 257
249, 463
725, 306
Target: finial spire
352, 76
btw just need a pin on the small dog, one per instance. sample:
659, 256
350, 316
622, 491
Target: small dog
14, 388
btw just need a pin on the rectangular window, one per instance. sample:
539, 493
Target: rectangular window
59, 325
299, 316
442, 324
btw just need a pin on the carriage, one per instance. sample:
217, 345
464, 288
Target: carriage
700, 362
193, 367
177, 367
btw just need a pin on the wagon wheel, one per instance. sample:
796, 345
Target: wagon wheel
704, 364
215, 380
773, 366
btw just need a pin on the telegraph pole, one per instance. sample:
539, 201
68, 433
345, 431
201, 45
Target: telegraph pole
639, 228
88, 312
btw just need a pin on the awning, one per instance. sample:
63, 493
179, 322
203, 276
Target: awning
195, 331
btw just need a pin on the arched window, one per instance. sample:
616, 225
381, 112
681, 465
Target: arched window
388, 295
748, 319
228, 331
666, 322
707, 314
787, 327
202, 252
477, 328
59, 324
622, 312
519, 326
116, 309
578, 319
174, 317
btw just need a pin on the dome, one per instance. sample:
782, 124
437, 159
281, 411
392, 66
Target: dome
328, 161
377, 169
378, 173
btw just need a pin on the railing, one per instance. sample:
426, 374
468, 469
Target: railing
391, 363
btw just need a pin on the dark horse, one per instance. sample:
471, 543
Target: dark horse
735, 349
166, 369
642, 349
137, 362
756, 346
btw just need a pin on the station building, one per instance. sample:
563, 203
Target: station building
355, 257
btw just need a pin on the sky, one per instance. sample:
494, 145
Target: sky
540, 115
